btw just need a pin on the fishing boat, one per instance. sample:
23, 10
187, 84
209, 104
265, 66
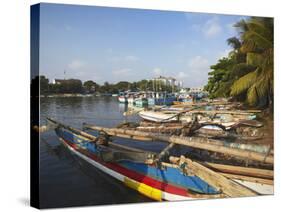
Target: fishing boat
224, 118
131, 97
122, 98
146, 172
161, 98
141, 102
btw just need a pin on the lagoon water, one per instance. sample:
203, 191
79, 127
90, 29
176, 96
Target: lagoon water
66, 180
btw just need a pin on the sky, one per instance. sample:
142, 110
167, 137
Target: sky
117, 44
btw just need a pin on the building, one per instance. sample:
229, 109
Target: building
196, 90
58, 81
169, 81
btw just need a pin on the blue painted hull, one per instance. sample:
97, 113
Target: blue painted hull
161, 101
167, 175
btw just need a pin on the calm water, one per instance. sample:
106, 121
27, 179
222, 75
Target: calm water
66, 180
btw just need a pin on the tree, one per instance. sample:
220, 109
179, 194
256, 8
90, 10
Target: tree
44, 84
90, 86
247, 73
257, 44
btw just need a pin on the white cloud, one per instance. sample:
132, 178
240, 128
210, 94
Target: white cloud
210, 28
157, 71
223, 53
128, 58
198, 62
76, 64
181, 75
124, 71
197, 72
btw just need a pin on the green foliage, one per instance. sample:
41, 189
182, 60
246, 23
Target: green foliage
44, 85
90, 86
248, 70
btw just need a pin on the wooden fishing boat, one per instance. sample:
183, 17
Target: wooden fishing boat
122, 98
160, 98
147, 173
141, 102
227, 119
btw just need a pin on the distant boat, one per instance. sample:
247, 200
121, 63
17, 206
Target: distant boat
161, 98
131, 96
141, 102
122, 98
224, 118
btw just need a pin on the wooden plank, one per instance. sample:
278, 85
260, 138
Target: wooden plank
200, 144
239, 170
247, 178
218, 181
195, 142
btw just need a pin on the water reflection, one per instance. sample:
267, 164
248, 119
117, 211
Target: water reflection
66, 180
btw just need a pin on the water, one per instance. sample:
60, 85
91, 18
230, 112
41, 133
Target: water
66, 180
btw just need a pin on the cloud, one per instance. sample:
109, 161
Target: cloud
124, 72
198, 62
181, 75
196, 73
211, 28
157, 71
224, 53
76, 64
128, 58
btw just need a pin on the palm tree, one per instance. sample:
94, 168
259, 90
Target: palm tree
257, 44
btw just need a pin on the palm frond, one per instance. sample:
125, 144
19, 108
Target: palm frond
243, 83
254, 59
252, 96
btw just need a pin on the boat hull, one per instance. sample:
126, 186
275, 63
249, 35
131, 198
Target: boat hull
158, 184
141, 102
122, 99
161, 101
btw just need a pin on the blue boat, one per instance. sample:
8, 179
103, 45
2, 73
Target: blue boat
161, 98
132, 166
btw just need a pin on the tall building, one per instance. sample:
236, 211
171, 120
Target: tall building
170, 81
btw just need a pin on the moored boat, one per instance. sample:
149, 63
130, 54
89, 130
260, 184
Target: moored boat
227, 119
122, 98
141, 102
138, 170
160, 98
129, 166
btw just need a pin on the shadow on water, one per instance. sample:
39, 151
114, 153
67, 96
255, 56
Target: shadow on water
65, 179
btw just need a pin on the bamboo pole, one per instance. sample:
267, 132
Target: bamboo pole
230, 169
195, 142
239, 170
247, 178
244, 112
218, 181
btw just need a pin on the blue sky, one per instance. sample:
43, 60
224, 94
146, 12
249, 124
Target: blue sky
115, 44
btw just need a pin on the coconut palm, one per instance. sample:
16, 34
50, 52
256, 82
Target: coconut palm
257, 43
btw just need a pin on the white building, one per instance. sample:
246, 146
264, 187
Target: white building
196, 90
169, 81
